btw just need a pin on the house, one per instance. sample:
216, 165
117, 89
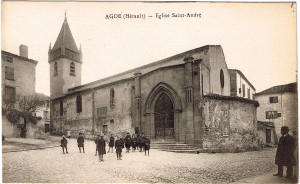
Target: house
240, 85
183, 98
279, 104
266, 133
17, 92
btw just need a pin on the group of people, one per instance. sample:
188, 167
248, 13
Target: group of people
141, 142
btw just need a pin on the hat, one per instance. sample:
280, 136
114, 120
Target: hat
285, 128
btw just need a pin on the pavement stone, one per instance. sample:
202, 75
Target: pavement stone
52, 166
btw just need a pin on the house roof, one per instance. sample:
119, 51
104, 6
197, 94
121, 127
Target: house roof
238, 71
291, 87
266, 123
65, 38
231, 98
19, 57
142, 69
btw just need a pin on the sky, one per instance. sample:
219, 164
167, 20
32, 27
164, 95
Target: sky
258, 39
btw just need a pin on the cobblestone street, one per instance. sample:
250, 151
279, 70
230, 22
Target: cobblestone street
51, 165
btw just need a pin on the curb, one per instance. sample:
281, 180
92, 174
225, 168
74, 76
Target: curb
30, 149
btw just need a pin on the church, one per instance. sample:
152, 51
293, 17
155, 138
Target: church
185, 98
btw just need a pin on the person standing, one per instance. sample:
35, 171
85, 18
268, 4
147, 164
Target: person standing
101, 148
63, 144
285, 153
119, 146
80, 142
146, 144
134, 142
96, 139
128, 142
139, 142
111, 143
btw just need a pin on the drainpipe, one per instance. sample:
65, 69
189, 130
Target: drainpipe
93, 111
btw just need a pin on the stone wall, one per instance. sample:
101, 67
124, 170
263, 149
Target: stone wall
229, 123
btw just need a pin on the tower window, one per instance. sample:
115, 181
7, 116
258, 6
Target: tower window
112, 98
79, 104
222, 78
72, 69
55, 68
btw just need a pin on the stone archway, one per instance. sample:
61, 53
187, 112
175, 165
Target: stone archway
163, 118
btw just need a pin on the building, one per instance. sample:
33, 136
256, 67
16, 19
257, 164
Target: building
184, 98
240, 85
18, 87
279, 104
42, 111
266, 133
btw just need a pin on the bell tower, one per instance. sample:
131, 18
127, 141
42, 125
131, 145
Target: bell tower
65, 61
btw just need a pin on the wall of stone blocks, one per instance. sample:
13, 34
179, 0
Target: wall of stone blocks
229, 124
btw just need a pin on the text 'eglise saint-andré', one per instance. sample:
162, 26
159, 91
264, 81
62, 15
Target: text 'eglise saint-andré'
156, 15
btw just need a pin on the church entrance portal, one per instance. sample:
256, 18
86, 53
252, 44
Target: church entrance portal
164, 118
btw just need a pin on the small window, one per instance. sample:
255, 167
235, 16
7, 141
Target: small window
222, 78
7, 59
278, 114
112, 121
61, 108
9, 73
55, 68
248, 92
112, 98
10, 94
72, 69
105, 129
274, 99
79, 104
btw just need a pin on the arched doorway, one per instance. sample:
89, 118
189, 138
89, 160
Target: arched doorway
164, 118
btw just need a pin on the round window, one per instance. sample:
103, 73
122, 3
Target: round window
222, 78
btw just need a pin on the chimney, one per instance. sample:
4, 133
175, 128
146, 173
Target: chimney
23, 51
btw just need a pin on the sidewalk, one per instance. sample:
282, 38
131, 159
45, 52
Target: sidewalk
267, 178
21, 144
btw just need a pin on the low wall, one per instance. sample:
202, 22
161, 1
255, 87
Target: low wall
230, 122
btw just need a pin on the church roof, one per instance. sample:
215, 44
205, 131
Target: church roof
292, 87
65, 38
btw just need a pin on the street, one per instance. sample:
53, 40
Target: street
51, 165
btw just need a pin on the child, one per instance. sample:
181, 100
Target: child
111, 143
96, 142
119, 145
80, 142
128, 142
63, 144
101, 148
146, 144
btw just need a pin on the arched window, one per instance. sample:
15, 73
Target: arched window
55, 68
222, 78
112, 98
61, 108
78, 104
72, 69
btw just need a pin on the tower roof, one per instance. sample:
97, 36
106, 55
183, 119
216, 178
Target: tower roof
65, 38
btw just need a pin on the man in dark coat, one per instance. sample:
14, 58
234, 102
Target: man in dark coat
134, 142
128, 142
63, 144
80, 142
285, 153
111, 143
119, 146
101, 148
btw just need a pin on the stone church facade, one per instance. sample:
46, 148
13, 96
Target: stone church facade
185, 98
